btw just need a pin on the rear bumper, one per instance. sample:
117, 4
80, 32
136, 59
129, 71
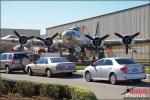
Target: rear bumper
62, 71
131, 76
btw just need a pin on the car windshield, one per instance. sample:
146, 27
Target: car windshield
56, 60
125, 61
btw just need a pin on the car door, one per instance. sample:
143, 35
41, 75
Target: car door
106, 68
3, 60
97, 68
42, 67
37, 65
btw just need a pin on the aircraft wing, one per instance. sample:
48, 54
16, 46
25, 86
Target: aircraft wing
118, 43
9, 41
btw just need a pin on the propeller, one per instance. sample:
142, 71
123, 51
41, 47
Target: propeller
127, 39
97, 41
22, 39
48, 41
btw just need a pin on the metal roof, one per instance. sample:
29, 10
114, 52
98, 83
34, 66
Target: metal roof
99, 16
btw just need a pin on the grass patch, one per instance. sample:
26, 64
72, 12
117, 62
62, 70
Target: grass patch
80, 67
147, 69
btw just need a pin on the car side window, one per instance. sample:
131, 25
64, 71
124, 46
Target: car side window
42, 61
108, 62
4, 57
9, 56
45, 61
99, 63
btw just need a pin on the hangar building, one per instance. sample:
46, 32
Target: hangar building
125, 22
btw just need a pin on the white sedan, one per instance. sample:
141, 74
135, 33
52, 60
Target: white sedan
51, 65
114, 70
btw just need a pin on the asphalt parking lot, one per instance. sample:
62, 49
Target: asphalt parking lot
102, 89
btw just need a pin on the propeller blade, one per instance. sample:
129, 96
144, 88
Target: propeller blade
31, 37
127, 49
104, 37
54, 36
17, 34
97, 29
136, 34
40, 39
119, 35
89, 37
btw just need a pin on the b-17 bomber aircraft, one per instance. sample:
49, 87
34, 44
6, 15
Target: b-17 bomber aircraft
76, 41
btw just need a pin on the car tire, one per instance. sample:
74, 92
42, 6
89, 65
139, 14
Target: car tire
88, 77
113, 79
137, 81
7, 70
48, 73
30, 72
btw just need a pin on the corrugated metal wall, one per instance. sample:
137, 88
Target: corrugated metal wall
123, 22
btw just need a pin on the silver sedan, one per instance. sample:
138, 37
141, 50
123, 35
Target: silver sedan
115, 69
51, 65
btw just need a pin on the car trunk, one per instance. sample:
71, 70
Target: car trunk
66, 66
134, 68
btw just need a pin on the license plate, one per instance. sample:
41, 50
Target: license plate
66, 67
134, 69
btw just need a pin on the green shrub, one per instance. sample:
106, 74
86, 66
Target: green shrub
64, 92
3, 87
81, 94
10, 85
60, 92
24, 88
49, 90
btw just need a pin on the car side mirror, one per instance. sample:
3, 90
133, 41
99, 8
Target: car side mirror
93, 64
35, 62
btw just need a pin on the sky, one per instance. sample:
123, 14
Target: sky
44, 14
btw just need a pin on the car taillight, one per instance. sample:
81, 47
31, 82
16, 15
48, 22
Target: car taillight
124, 69
143, 69
13, 59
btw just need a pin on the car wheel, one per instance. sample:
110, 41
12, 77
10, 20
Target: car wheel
48, 73
88, 76
137, 81
113, 79
30, 72
7, 70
